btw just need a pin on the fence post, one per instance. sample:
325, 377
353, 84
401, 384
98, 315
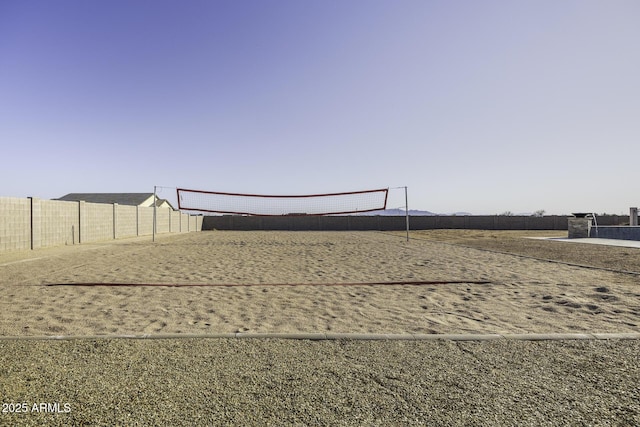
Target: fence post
115, 221
82, 227
35, 222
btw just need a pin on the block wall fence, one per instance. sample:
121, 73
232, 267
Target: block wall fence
35, 223
394, 223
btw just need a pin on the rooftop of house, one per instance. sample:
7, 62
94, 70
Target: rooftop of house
131, 199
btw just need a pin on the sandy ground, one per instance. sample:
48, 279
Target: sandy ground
528, 286
298, 286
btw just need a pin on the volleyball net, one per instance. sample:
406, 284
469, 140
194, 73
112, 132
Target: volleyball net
273, 205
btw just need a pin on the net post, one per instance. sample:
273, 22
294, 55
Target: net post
406, 209
155, 207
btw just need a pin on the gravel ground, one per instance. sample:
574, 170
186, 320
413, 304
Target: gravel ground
234, 382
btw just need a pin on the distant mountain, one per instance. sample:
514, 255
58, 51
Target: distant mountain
397, 212
412, 212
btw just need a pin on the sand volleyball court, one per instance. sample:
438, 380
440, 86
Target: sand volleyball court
307, 282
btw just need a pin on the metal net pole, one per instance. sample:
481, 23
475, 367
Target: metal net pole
406, 209
155, 206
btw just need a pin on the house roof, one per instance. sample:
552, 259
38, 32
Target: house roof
131, 199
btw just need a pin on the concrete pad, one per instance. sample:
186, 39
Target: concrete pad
595, 241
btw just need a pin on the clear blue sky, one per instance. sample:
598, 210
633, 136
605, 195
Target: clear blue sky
476, 106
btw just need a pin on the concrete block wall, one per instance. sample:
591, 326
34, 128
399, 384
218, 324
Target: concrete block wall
196, 223
145, 221
612, 220
96, 222
33, 223
59, 223
176, 222
168, 221
15, 226
163, 217
126, 221
185, 223
383, 223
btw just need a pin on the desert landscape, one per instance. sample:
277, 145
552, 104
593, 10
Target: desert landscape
200, 285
